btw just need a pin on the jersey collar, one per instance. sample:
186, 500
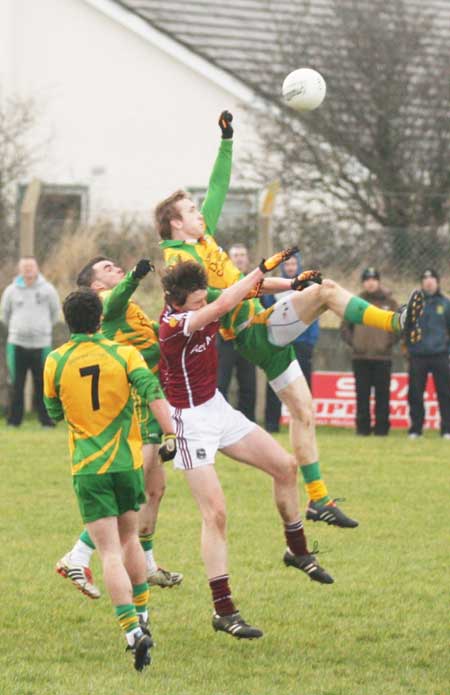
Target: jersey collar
177, 243
86, 337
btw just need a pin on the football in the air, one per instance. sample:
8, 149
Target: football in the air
304, 89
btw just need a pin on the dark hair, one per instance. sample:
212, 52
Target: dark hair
166, 211
181, 280
82, 310
86, 276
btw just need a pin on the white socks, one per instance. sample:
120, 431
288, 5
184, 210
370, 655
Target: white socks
81, 554
152, 567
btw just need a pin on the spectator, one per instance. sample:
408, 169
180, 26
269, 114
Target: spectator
430, 355
230, 358
303, 345
371, 359
30, 307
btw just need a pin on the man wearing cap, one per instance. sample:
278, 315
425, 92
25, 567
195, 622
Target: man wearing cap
371, 359
430, 355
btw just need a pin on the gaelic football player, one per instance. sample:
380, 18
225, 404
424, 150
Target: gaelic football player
88, 382
125, 322
263, 336
205, 423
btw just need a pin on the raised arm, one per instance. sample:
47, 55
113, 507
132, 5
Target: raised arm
115, 301
219, 181
233, 295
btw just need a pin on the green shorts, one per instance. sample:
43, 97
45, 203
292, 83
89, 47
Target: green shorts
151, 432
110, 494
253, 343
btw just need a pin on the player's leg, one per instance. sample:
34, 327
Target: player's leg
286, 379
134, 561
257, 448
207, 492
290, 316
155, 485
106, 536
294, 392
75, 565
198, 436
102, 499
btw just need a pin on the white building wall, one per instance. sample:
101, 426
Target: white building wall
116, 113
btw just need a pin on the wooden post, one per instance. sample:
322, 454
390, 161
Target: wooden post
265, 249
27, 234
28, 217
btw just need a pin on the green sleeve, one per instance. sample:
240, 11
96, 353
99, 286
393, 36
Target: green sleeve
218, 186
54, 408
212, 294
146, 384
116, 302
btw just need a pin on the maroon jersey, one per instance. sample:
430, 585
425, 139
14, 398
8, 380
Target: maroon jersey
188, 365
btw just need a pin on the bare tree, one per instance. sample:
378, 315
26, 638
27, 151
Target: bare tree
376, 154
17, 120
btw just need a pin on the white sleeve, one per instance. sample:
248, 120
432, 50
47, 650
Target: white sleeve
187, 318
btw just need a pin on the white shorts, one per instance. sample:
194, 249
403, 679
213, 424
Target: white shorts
283, 324
204, 429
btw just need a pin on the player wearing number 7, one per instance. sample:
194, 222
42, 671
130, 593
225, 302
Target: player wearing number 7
126, 323
88, 382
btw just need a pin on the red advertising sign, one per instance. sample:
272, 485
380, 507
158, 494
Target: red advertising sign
335, 400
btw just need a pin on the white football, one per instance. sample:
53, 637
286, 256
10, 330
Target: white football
304, 89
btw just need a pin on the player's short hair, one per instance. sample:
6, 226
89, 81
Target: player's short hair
166, 211
82, 310
180, 280
238, 245
86, 276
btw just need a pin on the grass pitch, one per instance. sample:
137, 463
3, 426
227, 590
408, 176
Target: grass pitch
382, 628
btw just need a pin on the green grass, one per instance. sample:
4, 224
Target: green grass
382, 628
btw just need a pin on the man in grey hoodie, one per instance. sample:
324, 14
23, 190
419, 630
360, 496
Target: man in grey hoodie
30, 307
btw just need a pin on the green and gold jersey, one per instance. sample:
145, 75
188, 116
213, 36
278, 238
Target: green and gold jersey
220, 270
126, 323
88, 382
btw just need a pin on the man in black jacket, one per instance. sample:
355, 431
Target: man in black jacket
430, 354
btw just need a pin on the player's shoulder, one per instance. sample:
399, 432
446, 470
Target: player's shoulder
171, 318
171, 322
60, 351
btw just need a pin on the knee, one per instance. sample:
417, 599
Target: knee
155, 493
327, 290
215, 516
301, 409
286, 472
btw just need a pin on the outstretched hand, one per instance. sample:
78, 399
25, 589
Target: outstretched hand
142, 268
268, 264
225, 119
305, 279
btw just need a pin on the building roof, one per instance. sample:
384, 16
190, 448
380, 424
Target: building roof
242, 36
